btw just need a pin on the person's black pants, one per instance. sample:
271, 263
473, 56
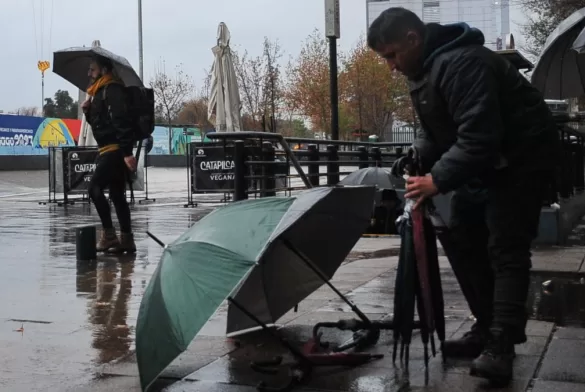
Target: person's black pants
111, 172
493, 228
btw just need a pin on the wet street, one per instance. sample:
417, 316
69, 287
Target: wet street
69, 326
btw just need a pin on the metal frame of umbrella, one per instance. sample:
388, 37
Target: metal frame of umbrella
313, 354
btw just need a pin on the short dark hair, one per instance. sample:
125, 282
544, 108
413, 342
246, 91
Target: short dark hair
103, 62
392, 25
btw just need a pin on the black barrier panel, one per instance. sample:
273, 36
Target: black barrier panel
80, 163
213, 168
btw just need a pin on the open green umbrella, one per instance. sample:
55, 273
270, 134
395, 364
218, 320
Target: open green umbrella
199, 270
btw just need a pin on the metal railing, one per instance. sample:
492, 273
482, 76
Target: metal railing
266, 164
261, 161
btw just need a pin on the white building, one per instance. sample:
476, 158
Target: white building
492, 17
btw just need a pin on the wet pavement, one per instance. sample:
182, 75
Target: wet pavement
69, 326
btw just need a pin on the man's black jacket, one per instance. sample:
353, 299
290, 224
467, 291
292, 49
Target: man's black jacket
109, 118
478, 113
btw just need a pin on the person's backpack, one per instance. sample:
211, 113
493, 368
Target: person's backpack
141, 110
140, 105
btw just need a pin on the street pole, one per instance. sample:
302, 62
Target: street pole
332, 32
140, 51
43, 94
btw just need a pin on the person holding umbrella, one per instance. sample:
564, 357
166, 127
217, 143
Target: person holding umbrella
486, 134
106, 111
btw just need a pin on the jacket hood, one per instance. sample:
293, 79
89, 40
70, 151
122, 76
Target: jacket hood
442, 38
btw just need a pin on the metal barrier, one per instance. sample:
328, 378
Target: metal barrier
71, 169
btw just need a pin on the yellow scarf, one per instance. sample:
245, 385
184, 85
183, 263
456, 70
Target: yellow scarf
101, 82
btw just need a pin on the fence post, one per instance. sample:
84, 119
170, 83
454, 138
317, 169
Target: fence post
376, 156
332, 165
313, 167
363, 157
240, 171
268, 181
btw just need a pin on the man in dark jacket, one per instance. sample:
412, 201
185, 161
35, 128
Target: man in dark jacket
487, 135
106, 113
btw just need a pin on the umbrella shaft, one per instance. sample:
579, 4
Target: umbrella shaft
321, 275
291, 348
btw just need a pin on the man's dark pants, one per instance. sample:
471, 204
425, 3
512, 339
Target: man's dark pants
493, 225
111, 172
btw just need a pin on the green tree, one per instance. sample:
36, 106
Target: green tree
60, 106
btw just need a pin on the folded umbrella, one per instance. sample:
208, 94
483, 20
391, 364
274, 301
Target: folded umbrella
262, 237
72, 65
418, 277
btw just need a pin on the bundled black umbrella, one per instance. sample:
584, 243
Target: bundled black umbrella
418, 280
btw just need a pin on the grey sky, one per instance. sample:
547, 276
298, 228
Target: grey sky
178, 31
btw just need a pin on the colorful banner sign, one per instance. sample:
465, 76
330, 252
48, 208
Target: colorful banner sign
27, 135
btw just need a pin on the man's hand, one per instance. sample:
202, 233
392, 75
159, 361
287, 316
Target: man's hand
131, 163
420, 188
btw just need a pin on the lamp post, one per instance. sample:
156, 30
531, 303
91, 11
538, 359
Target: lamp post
140, 51
332, 32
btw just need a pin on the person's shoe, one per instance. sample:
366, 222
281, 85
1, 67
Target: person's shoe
470, 345
126, 245
496, 362
108, 240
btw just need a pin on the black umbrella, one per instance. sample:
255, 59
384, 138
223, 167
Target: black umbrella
72, 65
417, 279
372, 176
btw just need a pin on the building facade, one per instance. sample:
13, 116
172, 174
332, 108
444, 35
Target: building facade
492, 17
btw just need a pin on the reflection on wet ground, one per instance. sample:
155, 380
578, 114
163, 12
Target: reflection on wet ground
72, 316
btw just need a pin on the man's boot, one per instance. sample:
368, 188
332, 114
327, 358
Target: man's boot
470, 345
126, 244
108, 240
496, 362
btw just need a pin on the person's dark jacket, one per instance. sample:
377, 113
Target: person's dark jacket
478, 113
109, 119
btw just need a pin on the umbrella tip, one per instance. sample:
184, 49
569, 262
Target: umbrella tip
162, 244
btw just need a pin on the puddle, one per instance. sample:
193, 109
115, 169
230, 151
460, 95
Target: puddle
557, 298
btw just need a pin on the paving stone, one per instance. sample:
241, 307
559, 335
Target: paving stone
554, 386
539, 328
570, 333
564, 361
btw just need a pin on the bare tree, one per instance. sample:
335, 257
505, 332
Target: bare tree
195, 111
28, 111
260, 85
171, 92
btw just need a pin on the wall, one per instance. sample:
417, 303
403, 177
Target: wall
27, 135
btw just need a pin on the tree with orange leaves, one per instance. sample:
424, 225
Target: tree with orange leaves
307, 92
374, 95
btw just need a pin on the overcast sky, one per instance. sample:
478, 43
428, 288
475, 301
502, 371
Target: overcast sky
178, 31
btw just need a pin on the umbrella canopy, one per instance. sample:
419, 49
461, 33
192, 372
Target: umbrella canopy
224, 102
560, 71
202, 267
304, 239
72, 65
372, 176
